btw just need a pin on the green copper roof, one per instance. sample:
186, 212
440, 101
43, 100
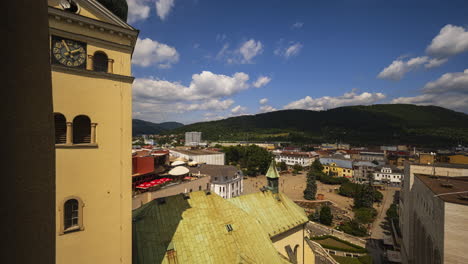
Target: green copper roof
201, 229
272, 171
276, 213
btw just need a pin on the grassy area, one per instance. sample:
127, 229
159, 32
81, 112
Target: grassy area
349, 260
334, 243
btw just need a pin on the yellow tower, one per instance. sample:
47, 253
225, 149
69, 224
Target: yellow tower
90, 52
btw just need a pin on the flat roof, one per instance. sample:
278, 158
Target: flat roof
195, 152
445, 165
449, 189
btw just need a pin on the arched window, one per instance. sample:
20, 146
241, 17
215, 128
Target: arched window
100, 61
60, 129
81, 130
71, 214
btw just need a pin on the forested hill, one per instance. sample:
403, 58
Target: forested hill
141, 127
360, 125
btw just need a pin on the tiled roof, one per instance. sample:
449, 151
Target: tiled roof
339, 162
276, 213
215, 170
197, 230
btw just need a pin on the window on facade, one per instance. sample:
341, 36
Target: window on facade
71, 214
60, 129
81, 129
100, 61
199, 188
216, 178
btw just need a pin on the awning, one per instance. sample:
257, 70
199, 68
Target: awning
177, 163
178, 171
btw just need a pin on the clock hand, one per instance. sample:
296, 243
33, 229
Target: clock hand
65, 44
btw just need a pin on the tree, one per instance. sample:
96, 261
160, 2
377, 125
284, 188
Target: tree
326, 216
364, 197
252, 159
297, 168
311, 187
317, 166
353, 228
282, 166
365, 215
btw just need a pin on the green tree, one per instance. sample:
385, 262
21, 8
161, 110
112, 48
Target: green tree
282, 166
317, 166
311, 187
365, 215
326, 216
252, 159
297, 168
364, 197
353, 228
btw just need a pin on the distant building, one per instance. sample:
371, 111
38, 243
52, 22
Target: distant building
373, 156
363, 171
337, 167
434, 214
202, 227
389, 148
292, 158
199, 155
193, 138
326, 146
389, 175
226, 181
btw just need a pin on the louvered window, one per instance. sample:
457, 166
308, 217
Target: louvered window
60, 129
81, 130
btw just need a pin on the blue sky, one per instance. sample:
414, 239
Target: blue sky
199, 60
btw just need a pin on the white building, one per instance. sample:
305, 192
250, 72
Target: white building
193, 138
199, 155
226, 180
292, 158
389, 175
433, 214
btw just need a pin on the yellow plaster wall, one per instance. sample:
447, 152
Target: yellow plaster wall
340, 172
100, 175
292, 238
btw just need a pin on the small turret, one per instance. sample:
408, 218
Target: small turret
272, 176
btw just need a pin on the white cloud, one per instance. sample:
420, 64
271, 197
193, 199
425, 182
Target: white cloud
399, 67
261, 81
263, 101
456, 82
150, 52
267, 108
245, 54
297, 25
205, 85
220, 37
449, 91
163, 8
290, 51
137, 10
450, 41
212, 104
327, 102
250, 49
433, 63
238, 110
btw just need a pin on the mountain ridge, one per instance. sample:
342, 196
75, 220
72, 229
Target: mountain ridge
361, 125
141, 127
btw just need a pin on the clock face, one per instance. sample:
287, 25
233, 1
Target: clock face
68, 52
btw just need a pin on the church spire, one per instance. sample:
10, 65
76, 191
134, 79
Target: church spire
272, 176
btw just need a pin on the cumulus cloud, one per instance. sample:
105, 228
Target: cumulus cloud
267, 108
138, 10
263, 101
238, 110
163, 8
205, 85
289, 51
450, 91
456, 82
261, 81
327, 102
297, 25
250, 49
450, 41
245, 54
151, 52
399, 68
